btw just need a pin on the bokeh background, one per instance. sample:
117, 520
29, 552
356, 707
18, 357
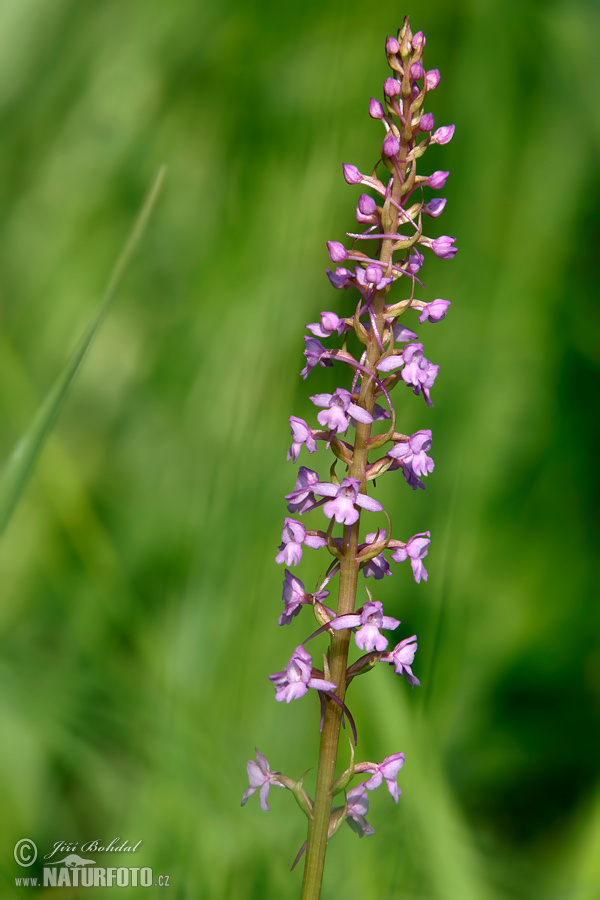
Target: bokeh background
139, 589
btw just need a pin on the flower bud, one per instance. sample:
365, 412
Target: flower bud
443, 135
434, 311
351, 174
391, 145
391, 87
415, 261
416, 71
337, 251
366, 205
376, 110
419, 40
405, 45
392, 46
432, 79
373, 274
437, 180
442, 247
405, 37
435, 207
427, 122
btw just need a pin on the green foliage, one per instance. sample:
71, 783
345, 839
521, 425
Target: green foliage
140, 595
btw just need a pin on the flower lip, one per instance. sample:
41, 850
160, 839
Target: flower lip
295, 680
260, 778
357, 806
368, 620
346, 497
387, 770
301, 434
415, 549
401, 657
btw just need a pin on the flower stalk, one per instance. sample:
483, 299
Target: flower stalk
391, 354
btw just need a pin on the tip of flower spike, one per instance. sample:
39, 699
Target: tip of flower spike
405, 37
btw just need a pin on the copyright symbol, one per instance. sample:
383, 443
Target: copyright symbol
25, 852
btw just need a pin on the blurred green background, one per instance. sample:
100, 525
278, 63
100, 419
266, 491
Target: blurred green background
140, 593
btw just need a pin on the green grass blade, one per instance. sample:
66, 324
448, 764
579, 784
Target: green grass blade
22, 460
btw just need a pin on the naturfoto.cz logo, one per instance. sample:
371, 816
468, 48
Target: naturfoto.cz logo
77, 871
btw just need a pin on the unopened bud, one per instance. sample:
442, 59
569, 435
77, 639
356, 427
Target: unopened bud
419, 41
435, 207
405, 47
391, 87
366, 205
427, 122
376, 110
337, 251
391, 145
405, 37
351, 174
443, 135
373, 274
437, 180
432, 79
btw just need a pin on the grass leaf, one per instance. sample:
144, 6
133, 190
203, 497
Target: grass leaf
22, 460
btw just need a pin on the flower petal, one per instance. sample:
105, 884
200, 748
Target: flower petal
368, 503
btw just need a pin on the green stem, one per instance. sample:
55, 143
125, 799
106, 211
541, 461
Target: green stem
338, 657
338, 652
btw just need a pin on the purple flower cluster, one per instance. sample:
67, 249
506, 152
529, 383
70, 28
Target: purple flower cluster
390, 248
